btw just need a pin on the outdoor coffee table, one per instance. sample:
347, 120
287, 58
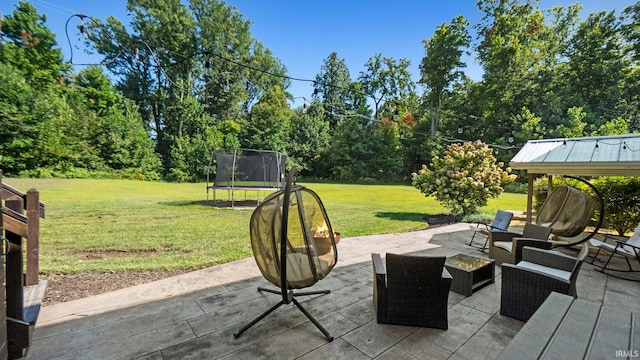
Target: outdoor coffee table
470, 273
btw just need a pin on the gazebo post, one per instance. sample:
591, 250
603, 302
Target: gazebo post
529, 197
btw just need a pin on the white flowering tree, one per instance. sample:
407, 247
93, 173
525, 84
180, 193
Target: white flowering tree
464, 179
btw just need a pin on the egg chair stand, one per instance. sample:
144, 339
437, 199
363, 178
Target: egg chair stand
293, 249
291, 298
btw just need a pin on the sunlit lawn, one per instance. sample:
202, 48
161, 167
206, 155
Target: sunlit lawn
114, 225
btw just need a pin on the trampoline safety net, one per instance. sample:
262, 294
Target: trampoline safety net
245, 169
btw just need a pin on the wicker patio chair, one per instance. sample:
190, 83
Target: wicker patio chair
526, 285
506, 246
500, 222
629, 249
413, 290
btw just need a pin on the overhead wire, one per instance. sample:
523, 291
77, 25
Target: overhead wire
152, 53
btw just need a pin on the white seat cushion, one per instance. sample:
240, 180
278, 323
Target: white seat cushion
545, 269
622, 249
506, 245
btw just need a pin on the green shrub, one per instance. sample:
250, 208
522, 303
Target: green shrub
464, 179
479, 218
516, 188
621, 202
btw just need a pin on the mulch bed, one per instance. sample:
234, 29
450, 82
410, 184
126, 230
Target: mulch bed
440, 220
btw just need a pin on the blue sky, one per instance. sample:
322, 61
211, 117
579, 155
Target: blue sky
303, 33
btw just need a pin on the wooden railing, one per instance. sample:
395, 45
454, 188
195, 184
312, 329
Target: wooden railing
20, 224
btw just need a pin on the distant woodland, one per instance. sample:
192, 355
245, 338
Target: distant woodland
184, 79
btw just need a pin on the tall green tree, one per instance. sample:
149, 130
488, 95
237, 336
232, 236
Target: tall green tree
31, 47
333, 87
18, 127
551, 94
597, 66
96, 87
116, 131
365, 151
631, 32
386, 81
269, 122
442, 62
263, 71
193, 69
508, 44
309, 140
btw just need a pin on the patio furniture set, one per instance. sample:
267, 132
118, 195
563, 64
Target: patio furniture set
538, 287
294, 247
413, 290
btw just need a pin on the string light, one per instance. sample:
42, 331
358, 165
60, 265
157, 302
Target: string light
613, 140
226, 85
83, 31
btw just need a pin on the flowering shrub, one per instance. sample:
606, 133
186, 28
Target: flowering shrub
465, 179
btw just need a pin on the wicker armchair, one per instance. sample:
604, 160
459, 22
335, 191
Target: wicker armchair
413, 290
506, 247
527, 285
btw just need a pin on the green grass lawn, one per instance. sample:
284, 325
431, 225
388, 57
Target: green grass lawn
115, 225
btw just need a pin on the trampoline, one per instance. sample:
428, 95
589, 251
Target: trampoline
245, 170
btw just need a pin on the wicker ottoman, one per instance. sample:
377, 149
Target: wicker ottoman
470, 273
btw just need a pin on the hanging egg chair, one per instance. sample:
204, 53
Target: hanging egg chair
568, 211
293, 245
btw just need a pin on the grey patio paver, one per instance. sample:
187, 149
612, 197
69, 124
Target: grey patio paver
194, 315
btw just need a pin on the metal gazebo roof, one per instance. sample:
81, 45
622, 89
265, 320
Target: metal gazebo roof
617, 155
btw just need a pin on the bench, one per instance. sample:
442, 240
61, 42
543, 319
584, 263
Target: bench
568, 328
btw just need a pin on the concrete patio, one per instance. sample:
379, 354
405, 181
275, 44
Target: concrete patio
193, 316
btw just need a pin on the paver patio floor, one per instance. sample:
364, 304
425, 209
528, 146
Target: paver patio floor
193, 316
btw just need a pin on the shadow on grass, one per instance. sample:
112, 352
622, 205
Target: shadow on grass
403, 216
239, 204
177, 203
431, 220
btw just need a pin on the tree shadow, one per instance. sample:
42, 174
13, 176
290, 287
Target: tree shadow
402, 216
430, 219
240, 204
